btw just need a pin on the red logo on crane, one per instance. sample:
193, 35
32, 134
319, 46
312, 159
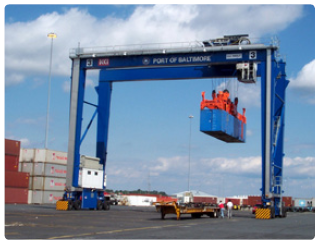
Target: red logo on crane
103, 62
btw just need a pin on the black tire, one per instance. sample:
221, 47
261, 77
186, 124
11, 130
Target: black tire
77, 205
70, 205
106, 205
162, 214
272, 213
211, 215
99, 205
284, 213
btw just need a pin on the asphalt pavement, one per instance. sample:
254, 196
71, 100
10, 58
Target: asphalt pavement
144, 223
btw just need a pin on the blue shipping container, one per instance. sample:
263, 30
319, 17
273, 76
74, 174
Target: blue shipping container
222, 125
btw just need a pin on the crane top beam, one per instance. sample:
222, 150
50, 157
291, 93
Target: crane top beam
161, 48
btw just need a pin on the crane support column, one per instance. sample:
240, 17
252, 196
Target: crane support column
104, 93
266, 124
76, 107
273, 86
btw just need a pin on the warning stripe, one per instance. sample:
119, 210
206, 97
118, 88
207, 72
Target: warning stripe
263, 213
62, 205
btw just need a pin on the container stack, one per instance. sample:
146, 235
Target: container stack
16, 183
48, 170
253, 200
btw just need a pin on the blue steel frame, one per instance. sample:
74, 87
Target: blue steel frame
178, 66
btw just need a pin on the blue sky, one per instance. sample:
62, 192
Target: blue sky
149, 124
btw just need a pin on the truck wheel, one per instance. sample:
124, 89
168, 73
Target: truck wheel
211, 215
77, 205
106, 206
99, 205
272, 213
162, 214
284, 212
70, 205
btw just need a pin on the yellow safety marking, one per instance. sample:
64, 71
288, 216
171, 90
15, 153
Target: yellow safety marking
62, 205
263, 213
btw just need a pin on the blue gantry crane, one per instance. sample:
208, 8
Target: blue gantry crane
230, 56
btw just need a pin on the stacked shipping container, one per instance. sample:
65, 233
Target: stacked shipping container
235, 201
16, 183
287, 201
197, 199
253, 200
48, 170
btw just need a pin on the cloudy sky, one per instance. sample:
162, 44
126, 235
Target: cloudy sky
149, 126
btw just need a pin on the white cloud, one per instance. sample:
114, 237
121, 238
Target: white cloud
305, 78
300, 167
168, 164
241, 165
66, 86
27, 47
25, 143
249, 132
14, 79
90, 83
219, 176
245, 166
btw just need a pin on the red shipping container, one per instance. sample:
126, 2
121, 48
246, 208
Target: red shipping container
16, 195
253, 200
12, 147
166, 199
203, 199
245, 201
11, 162
287, 201
235, 201
16, 179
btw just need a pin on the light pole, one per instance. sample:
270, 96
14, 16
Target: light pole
52, 36
190, 117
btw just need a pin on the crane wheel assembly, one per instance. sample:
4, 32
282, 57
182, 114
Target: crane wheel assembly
64, 205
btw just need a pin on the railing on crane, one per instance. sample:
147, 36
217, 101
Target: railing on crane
218, 44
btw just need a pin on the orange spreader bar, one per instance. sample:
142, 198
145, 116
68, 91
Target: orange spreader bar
223, 102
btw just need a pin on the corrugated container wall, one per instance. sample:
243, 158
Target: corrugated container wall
48, 183
245, 201
17, 179
253, 200
11, 162
204, 199
45, 197
50, 156
12, 152
16, 183
16, 195
287, 201
47, 169
12, 147
235, 201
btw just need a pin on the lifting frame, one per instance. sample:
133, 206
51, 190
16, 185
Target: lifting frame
190, 61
